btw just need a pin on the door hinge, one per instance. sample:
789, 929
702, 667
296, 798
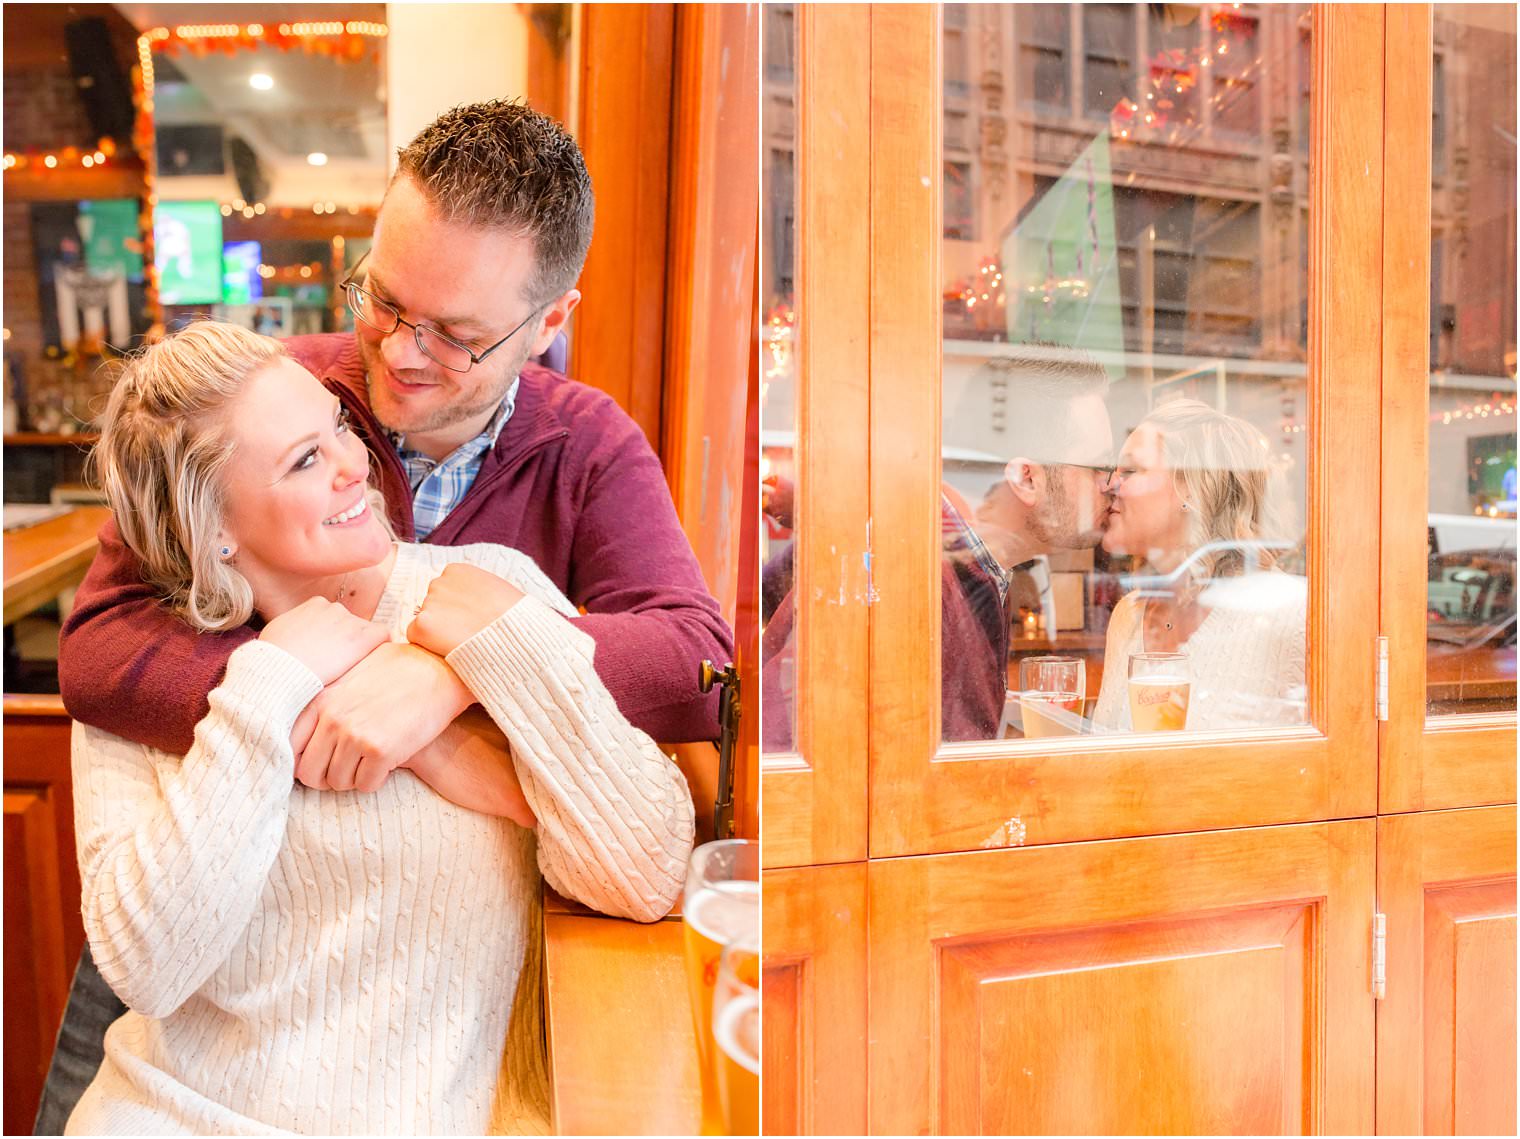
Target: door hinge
1382, 678
1379, 956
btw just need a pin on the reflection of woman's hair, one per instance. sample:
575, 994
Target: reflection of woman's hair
1221, 467
163, 449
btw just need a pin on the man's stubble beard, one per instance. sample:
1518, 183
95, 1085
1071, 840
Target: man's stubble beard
1055, 525
449, 414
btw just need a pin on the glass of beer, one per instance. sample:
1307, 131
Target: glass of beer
721, 906
1158, 691
1052, 691
736, 1037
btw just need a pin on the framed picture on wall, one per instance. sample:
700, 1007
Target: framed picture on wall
91, 283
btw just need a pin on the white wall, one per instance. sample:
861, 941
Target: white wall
441, 55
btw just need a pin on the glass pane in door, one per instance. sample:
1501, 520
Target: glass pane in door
1125, 300
1470, 599
778, 386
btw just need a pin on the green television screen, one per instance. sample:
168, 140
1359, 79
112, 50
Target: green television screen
187, 252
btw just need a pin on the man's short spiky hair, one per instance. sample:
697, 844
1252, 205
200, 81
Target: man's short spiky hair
503, 165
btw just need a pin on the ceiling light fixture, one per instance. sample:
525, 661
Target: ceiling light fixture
261, 82
317, 158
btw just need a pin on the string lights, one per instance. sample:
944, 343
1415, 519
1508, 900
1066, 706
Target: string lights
1492, 408
62, 159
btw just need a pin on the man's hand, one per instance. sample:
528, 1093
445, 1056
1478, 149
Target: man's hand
470, 764
461, 601
388, 707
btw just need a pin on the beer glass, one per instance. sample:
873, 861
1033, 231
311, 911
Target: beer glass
1158, 691
1051, 694
721, 905
736, 1037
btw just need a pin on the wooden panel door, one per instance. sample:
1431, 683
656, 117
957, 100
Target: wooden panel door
1214, 983
814, 789
43, 930
927, 796
1440, 761
814, 1056
1446, 1026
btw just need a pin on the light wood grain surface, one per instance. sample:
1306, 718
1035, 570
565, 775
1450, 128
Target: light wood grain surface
1444, 762
622, 1051
43, 560
815, 801
1213, 983
1446, 1028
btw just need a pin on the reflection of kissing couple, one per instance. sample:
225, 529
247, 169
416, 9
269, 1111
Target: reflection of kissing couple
1189, 497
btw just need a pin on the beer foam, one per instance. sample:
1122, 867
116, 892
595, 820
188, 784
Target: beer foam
724, 912
1154, 681
737, 1031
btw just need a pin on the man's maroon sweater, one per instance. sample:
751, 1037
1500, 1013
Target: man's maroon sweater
571, 482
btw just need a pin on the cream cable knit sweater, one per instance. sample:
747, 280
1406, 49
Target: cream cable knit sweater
336, 962
1246, 660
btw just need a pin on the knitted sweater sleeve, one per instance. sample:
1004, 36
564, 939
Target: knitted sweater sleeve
174, 853
615, 819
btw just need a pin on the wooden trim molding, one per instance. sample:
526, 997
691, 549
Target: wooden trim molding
1442, 762
617, 343
815, 798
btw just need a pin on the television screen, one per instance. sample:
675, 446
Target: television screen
241, 283
187, 252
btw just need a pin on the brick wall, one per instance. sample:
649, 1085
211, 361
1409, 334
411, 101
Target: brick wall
42, 110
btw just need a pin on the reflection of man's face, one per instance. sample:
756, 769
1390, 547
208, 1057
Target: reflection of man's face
1070, 512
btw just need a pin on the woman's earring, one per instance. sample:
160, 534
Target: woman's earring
226, 551
1184, 506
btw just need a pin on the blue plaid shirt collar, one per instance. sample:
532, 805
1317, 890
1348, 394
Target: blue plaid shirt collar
438, 487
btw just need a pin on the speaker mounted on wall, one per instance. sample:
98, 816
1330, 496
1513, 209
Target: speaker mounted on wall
102, 86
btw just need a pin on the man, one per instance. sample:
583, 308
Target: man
477, 249
1052, 496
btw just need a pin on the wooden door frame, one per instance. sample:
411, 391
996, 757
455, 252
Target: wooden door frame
1446, 761
625, 78
1415, 853
815, 998
927, 797
815, 797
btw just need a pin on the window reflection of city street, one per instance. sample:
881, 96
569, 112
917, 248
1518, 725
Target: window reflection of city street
1144, 207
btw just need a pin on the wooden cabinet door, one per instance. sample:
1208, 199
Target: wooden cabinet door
1428, 762
928, 796
814, 1056
43, 930
814, 787
1214, 983
1446, 1026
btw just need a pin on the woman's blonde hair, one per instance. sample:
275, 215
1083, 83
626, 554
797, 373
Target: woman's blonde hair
1221, 467
163, 450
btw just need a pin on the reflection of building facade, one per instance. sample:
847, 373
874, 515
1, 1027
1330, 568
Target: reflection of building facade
1202, 113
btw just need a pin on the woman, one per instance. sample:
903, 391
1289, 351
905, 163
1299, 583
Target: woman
317, 960
1191, 497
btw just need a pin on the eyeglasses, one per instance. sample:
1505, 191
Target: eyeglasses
436, 346
1102, 470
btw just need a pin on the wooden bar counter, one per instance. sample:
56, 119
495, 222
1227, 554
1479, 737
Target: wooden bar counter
622, 1054
42, 561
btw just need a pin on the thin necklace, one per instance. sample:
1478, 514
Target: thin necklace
343, 589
